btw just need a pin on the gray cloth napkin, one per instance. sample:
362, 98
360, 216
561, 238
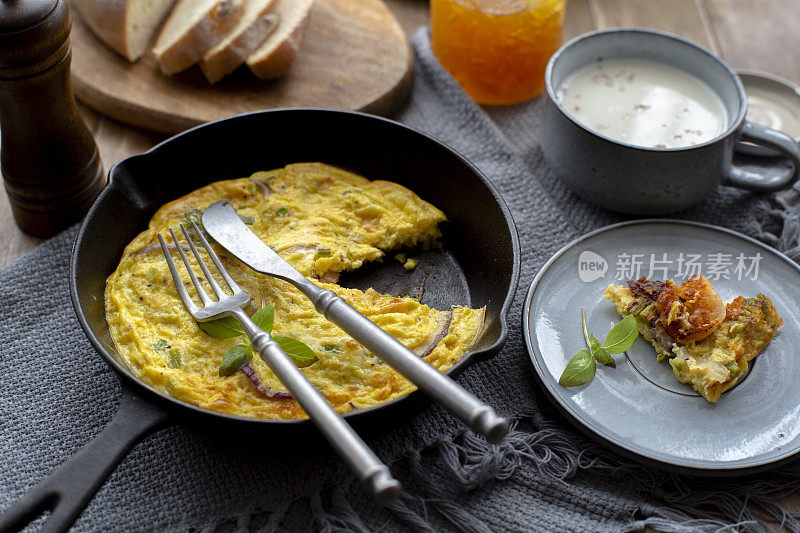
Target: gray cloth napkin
56, 393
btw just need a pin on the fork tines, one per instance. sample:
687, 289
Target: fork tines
204, 297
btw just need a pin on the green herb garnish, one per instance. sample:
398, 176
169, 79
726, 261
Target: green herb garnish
196, 216
174, 358
282, 211
193, 215
264, 317
222, 328
324, 252
599, 353
241, 354
622, 336
235, 358
298, 351
581, 368
329, 348
160, 345
247, 219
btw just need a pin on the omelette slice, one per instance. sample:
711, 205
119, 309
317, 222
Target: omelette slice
322, 220
709, 344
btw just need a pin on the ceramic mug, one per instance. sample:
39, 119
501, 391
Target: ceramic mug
651, 181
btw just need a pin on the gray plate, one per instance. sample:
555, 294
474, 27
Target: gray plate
639, 408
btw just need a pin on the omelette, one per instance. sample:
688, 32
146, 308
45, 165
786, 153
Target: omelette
709, 344
322, 220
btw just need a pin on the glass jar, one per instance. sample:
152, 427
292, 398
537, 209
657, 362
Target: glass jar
497, 49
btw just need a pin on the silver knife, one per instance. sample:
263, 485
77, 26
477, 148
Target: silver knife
223, 223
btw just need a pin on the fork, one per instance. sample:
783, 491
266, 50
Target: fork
375, 476
222, 223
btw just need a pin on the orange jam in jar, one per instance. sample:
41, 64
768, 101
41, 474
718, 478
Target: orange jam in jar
497, 49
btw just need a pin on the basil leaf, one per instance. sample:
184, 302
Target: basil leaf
580, 370
605, 358
264, 317
622, 336
585, 331
235, 358
297, 351
160, 345
600, 354
222, 328
594, 344
174, 358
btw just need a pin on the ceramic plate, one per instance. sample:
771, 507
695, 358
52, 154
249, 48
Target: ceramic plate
639, 408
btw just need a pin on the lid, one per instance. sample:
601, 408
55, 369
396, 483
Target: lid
17, 15
772, 102
31, 31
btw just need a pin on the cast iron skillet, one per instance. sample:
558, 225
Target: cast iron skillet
479, 265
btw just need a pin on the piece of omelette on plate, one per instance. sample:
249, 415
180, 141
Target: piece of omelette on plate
708, 343
322, 220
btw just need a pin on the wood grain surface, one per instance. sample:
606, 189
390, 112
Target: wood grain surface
754, 34
355, 56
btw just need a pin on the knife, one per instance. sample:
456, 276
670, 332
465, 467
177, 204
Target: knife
223, 223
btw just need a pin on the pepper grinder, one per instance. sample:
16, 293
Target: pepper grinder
48, 158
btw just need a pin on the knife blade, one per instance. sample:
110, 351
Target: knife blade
221, 221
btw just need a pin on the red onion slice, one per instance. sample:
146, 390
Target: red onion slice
262, 187
297, 247
436, 337
479, 331
252, 375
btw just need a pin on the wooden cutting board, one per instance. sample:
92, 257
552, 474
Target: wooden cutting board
355, 57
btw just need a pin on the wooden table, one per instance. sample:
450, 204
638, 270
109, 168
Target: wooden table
752, 34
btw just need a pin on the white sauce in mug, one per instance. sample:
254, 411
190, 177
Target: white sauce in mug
644, 103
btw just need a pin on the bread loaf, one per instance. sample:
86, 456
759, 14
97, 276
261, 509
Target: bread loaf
258, 21
193, 28
276, 55
127, 26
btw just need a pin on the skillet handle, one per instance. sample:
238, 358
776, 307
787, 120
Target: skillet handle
478, 415
68, 489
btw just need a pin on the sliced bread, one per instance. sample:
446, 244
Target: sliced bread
257, 22
274, 58
193, 28
126, 26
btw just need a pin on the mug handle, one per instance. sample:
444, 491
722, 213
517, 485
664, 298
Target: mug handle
746, 179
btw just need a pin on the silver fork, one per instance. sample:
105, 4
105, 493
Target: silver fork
222, 222
375, 476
